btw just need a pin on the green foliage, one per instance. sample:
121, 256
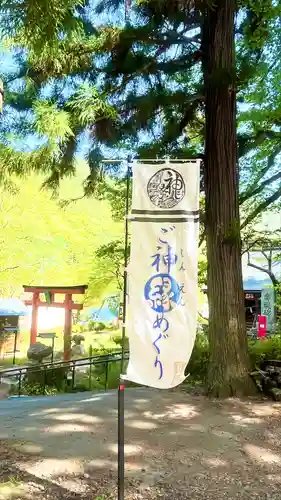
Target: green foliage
102, 377
136, 88
118, 339
35, 22
232, 235
104, 343
41, 377
89, 106
41, 240
80, 328
259, 350
52, 122
197, 366
109, 268
202, 271
266, 349
99, 377
114, 372
259, 21
113, 303
109, 347
34, 389
99, 327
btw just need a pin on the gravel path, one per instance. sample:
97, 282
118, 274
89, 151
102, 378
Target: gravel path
178, 446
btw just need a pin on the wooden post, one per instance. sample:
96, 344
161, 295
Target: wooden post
67, 326
34, 318
257, 305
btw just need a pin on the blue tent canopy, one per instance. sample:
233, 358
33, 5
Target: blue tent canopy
253, 283
102, 315
13, 307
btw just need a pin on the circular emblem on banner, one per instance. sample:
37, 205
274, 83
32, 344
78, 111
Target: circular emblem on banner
162, 293
166, 188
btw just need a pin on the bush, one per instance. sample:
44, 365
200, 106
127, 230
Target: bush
198, 364
102, 350
118, 340
54, 380
45, 377
34, 390
99, 327
99, 380
78, 328
91, 325
113, 377
260, 350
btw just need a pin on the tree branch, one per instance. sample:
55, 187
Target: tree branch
8, 269
202, 238
270, 161
267, 270
249, 246
171, 39
253, 191
274, 280
66, 203
262, 206
202, 217
251, 142
201, 316
269, 259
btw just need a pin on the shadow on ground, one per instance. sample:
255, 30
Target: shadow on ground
178, 446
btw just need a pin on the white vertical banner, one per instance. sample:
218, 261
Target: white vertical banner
162, 275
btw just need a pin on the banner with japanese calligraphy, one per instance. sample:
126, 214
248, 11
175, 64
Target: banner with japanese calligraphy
268, 306
162, 275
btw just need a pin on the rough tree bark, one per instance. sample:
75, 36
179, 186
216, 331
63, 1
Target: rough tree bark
228, 367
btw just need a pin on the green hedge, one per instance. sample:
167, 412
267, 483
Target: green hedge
265, 349
259, 350
197, 368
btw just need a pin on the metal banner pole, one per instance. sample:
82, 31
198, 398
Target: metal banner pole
121, 442
15, 345
121, 388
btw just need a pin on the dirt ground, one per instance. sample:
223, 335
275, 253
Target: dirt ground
178, 446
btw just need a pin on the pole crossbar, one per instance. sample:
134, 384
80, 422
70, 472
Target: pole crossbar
156, 160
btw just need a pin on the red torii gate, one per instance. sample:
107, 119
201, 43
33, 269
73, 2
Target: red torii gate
68, 306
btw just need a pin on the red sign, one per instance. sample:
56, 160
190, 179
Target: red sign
261, 326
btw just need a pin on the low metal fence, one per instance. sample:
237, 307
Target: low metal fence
18, 375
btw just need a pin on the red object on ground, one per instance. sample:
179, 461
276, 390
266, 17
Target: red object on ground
261, 326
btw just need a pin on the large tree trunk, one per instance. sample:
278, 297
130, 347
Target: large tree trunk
228, 367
